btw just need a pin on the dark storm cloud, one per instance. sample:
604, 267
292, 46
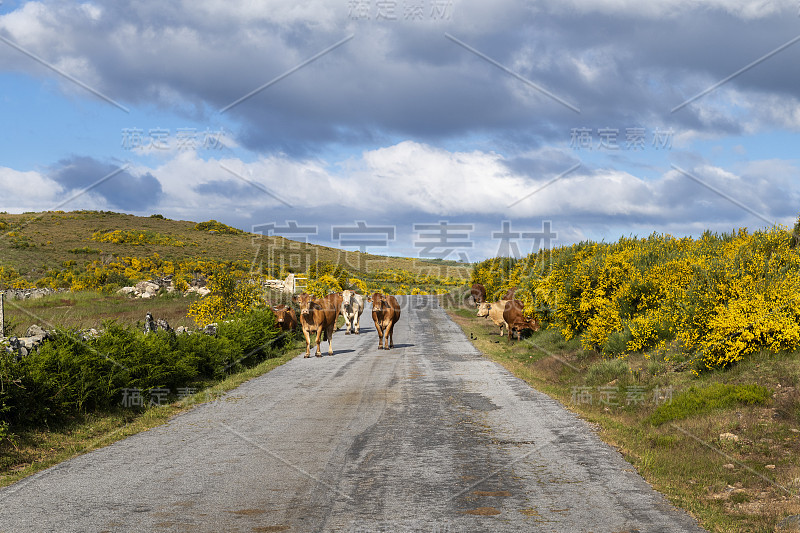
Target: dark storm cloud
409, 79
119, 188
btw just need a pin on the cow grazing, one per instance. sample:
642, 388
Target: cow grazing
478, 293
494, 310
352, 307
285, 317
317, 316
385, 314
515, 319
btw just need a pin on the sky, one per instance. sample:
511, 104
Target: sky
458, 129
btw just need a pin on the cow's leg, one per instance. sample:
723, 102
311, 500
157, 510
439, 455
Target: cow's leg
357, 325
330, 338
501, 328
308, 342
390, 336
318, 353
346, 323
380, 335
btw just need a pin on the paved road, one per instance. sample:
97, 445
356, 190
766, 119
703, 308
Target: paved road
427, 437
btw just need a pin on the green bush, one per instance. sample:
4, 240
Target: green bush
68, 375
701, 399
254, 333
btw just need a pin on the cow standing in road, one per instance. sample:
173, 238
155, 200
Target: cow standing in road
352, 307
385, 314
319, 317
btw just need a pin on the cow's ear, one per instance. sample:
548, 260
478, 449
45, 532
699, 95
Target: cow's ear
294, 298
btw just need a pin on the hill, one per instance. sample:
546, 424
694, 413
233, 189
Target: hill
36, 245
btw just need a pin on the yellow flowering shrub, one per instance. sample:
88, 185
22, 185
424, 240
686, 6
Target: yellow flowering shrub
136, 238
718, 298
231, 292
323, 286
361, 286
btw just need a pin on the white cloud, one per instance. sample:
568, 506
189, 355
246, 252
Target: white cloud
28, 191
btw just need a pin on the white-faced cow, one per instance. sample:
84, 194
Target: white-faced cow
318, 316
515, 319
352, 307
385, 314
494, 310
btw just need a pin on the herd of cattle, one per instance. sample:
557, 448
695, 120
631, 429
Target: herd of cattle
318, 315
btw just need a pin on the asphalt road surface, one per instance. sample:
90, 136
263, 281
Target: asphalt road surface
429, 436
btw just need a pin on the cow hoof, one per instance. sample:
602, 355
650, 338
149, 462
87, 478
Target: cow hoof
347, 333
306, 356
318, 355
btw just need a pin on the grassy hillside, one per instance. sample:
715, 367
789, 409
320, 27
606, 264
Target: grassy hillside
35, 243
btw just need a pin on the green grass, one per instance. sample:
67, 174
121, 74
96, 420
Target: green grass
89, 309
698, 400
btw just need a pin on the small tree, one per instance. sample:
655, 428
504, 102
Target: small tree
230, 293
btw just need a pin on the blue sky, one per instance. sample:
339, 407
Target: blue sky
412, 112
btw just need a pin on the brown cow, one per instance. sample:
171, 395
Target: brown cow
494, 311
385, 314
478, 292
335, 299
516, 319
285, 317
318, 316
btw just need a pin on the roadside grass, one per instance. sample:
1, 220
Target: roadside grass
748, 482
35, 450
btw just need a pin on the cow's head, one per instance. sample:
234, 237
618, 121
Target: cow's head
305, 302
483, 309
378, 300
280, 313
347, 298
